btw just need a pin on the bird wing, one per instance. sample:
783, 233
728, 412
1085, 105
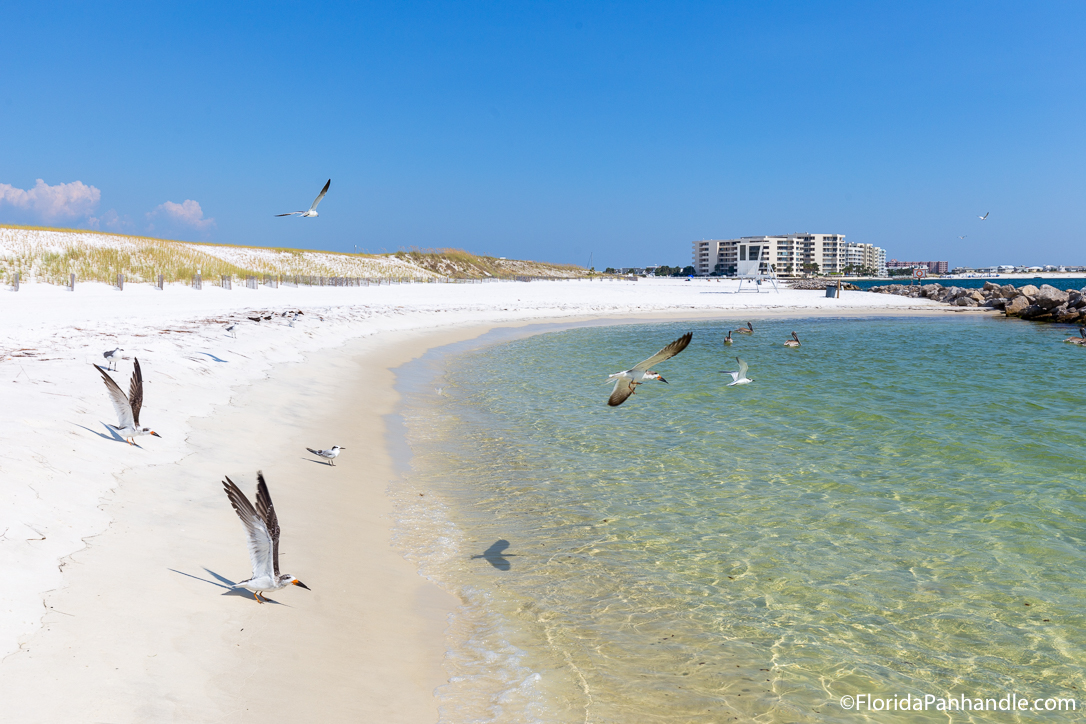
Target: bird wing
742, 368
320, 195
623, 388
120, 402
261, 547
292, 213
315, 452
135, 393
734, 375
666, 353
266, 509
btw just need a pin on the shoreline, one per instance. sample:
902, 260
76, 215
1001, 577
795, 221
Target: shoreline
80, 628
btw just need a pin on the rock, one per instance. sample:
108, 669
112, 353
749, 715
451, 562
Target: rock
1016, 306
1065, 314
1050, 297
991, 287
1008, 291
965, 301
977, 297
1035, 311
995, 303
1029, 290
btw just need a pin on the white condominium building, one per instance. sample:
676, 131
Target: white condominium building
786, 254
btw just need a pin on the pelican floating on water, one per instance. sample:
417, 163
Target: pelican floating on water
749, 329
262, 526
794, 342
728, 339
1080, 339
627, 380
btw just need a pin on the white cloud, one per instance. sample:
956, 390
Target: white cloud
188, 213
63, 201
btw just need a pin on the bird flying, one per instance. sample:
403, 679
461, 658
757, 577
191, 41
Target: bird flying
312, 211
982, 218
127, 408
740, 377
962, 237
330, 454
262, 527
627, 380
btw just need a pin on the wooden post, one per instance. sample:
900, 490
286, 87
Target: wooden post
161, 282
16, 281
120, 282
71, 282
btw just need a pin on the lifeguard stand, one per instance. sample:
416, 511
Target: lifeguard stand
749, 267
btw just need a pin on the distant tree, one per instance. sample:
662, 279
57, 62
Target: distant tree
689, 271
901, 272
609, 270
810, 268
662, 271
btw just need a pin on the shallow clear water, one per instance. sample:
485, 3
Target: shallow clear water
872, 514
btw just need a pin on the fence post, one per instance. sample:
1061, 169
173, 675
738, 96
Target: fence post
120, 282
161, 282
16, 280
71, 282
196, 283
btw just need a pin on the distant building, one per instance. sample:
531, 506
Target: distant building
934, 267
786, 254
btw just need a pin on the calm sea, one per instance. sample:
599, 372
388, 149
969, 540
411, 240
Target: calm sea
1064, 284
896, 507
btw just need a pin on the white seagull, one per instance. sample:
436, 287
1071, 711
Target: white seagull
312, 209
109, 357
232, 330
740, 377
330, 455
127, 408
262, 526
627, 380
962, 237
982, 218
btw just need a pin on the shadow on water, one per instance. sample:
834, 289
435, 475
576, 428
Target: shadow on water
230, 586
495, 555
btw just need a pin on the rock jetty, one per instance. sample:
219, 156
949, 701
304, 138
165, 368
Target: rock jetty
1042, 304
818, 284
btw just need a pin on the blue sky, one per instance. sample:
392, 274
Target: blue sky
553, 131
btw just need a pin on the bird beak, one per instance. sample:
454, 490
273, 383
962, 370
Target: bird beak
155, 433
663, 380
296, 582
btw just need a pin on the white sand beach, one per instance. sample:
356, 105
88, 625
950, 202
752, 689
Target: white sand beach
116, 605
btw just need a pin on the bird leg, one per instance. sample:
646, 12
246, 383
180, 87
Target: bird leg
258, 597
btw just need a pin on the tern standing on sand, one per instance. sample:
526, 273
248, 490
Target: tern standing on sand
330, 455
110, 360
127, 408
262, 526
627, 380
740, 377
312, 209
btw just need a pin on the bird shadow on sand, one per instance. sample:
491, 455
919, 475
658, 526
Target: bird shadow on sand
223, 582
111, 436
213, 357
495, 555
325, 463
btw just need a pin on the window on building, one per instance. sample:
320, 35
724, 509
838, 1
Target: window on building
742, 253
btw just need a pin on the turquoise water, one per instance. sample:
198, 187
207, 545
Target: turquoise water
872, 514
